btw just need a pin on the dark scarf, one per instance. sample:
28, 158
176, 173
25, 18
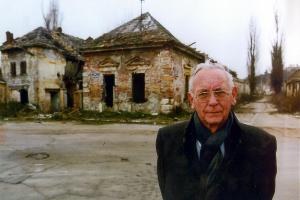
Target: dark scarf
210, 155
206, 138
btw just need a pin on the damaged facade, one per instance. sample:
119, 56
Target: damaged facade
43, 68
293, 84
139, 66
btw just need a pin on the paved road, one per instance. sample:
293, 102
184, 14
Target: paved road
106, 162
286, 128
41, 161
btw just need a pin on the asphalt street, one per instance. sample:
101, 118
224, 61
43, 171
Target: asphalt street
55, 160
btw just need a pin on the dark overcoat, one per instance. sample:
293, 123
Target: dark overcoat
247, 171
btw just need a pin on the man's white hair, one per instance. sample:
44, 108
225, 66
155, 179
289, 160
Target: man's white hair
203, 66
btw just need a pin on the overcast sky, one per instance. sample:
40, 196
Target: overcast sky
220, 28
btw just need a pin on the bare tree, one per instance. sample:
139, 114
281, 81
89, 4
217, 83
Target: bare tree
277, 60
252, 56
52, 19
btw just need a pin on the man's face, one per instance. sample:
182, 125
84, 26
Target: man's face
212, 98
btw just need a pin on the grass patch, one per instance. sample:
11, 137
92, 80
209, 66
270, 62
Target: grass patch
94, 117
245, 99
286, 104
11, 109
20, 112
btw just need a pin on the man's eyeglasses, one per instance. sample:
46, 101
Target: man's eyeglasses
205, 95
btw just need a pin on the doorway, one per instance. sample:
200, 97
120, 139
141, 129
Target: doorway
138, 87
24, 96
109, 83
55, 105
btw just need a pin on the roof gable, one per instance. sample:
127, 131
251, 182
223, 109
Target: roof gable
141, 32
136, 61
141, 24
108, 62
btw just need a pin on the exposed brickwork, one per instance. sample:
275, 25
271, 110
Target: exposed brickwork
164, 79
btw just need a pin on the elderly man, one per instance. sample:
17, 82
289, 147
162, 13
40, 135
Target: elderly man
213, 156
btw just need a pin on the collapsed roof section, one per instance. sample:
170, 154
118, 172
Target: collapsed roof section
141, 32
41, 37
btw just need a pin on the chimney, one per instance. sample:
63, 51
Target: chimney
9, 37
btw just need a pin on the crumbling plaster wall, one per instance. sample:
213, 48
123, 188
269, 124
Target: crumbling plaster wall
51, 68
43, 66
25, 81
183, 66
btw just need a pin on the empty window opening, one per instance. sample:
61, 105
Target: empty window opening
108, 93
186, 88
13, 70
138, 87
24, 96
23, 68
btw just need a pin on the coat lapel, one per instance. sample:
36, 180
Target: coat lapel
191, 151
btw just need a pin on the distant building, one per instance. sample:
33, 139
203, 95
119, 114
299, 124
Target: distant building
292, 85
139, 66
43, 68
263, 84
243, 86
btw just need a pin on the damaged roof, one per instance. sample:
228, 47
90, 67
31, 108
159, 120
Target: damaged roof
41, 37
294, 77
141, 32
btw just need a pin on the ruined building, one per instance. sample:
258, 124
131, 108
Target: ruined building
139, 66
43, 68
293, 84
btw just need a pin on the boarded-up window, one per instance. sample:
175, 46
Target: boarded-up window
138, 87
23, 68
13, 70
